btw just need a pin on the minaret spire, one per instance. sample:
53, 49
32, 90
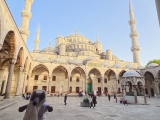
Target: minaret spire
133, 35
96, 36
26, 15
37, 40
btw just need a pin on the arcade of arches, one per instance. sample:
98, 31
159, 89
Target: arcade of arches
57, 71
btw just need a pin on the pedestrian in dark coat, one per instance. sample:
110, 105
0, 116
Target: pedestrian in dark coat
114, 96
109, 97
65, 99
94, 101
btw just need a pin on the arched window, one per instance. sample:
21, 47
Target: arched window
85, 46
81, 46
77, 46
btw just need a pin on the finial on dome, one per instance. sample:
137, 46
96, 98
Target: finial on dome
75, 32
50, 43
96, 36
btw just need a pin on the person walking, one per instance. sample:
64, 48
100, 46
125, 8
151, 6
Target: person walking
109, 97
65, 99
94, 101
114, 96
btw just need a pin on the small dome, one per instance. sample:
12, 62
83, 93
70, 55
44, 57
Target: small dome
90, 58
117, 65
76, 62
60, 60
42, 59
105, 64
152, 65
141, 67
129, 66
131, 73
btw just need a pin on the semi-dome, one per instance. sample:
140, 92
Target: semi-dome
151, 65
60, 60
76, 62
90, 58
42, 59
131, 73
49, 49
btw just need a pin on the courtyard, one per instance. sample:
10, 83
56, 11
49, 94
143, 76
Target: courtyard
104, 110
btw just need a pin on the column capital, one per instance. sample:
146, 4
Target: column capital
26, 73
12, 61
21, 69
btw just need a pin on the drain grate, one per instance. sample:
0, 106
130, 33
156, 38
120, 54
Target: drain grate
158, 106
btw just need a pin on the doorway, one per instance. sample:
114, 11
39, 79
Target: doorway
89, 88
35, 87
105, 90
53, 89
44, 88
152, 92
99, 89
77, 89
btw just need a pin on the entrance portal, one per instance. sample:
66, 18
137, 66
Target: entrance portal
89, 87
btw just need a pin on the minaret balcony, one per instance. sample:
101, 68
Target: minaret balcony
133, 34
24, 31
135, 48
131, 22
25, 13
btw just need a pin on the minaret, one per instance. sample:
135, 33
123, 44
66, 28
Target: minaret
37, 40
26, 15
133, 35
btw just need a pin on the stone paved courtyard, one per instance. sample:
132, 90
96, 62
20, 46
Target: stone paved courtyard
104, 110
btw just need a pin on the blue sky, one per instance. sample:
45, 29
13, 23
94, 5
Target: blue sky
108, 17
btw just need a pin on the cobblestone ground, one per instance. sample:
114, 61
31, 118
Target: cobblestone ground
104, 110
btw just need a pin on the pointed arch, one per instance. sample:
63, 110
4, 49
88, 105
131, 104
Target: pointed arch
94, 72
79, 70
61, 68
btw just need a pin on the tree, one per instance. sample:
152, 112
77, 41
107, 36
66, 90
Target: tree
154, 61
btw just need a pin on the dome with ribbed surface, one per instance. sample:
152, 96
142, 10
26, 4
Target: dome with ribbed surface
131, 73
42, 59
60, 60
151, 65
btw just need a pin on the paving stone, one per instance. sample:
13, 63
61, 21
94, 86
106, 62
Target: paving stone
104, 110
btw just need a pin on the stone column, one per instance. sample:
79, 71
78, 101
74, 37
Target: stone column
9, 81
24, 83
124, 91
135, 94
68, 85
84, 84
102, 85
144, 93
49, 84
92, 85
19, 81
28, 83
1, 77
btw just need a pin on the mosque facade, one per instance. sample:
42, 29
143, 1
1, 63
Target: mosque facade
73, 65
